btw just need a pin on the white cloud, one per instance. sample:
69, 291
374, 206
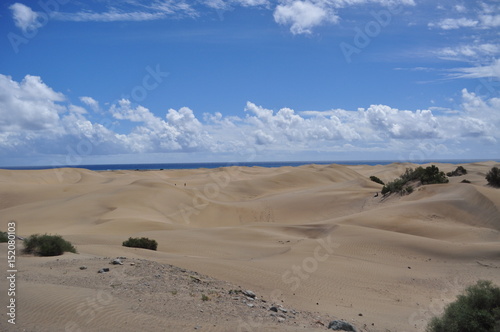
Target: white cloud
403, 124
303, 16
485, 16
91, 102
468, 52
111, 16
25, 18
455, 23
491, 70
28, 105
490, 21
460, 8
181, 131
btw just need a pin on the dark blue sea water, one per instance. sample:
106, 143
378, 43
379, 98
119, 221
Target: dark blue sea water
108, 167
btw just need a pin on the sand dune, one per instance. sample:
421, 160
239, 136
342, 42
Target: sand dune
315, 237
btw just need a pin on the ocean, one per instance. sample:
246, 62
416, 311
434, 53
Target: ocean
164, 166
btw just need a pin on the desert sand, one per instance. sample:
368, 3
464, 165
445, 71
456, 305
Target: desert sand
315, 239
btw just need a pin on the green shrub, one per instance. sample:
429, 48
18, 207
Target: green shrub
377, 180
459, 171
477, 310
409, 189
47, 245
142, 242
493, 177
432, 175
428, 175
3, 237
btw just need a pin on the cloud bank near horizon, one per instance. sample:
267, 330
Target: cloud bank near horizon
36, 120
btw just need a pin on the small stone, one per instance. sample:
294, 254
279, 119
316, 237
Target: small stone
283, 309
83, 267
340, 325
249, 293
281, 319
360, 314
132, 264
251, 305
273, 308
116, 261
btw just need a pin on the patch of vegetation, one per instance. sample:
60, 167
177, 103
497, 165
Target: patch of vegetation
47, 245
465, 181
459, 171
476, 310
142, 242
204, 297
428, 175
493, 177
3, 237
377, 180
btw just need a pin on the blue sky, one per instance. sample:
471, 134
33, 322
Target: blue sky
248, 80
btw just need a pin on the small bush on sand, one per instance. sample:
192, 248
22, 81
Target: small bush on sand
47, 245
477, 310
459, 171
142, 242
377, 180
493, 177
428, 175
3, 237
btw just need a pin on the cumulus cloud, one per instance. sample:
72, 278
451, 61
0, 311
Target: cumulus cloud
303, 16
403, 124
24, 17
181, 131
28, 105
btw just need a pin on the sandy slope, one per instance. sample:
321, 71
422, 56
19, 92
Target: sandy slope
314, 237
